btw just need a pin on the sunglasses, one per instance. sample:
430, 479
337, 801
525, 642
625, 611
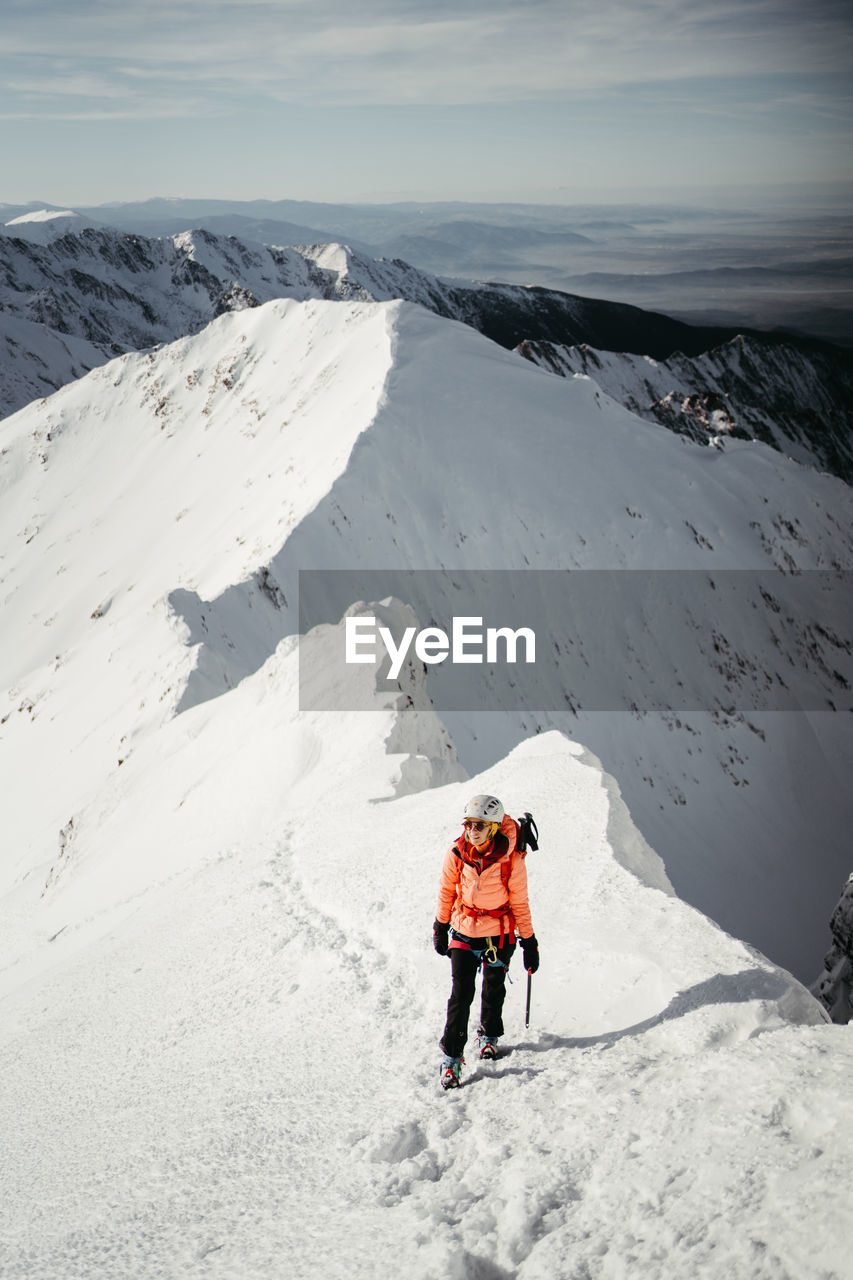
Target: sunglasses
472, 825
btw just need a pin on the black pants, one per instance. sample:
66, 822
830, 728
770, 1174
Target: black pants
464, 966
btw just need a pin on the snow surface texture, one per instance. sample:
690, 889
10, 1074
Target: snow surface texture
156, 514
225, 1061
220, 1006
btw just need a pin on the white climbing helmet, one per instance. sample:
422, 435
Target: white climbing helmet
488, 808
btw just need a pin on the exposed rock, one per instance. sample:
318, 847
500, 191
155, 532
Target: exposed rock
795, 400
835, 986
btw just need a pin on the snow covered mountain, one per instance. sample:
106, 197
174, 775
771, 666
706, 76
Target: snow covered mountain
328, 412
45, 225
74, 303
220, 1005
796, 401
71, 304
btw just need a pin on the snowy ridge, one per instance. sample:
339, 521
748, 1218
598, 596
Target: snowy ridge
42, 226
260, 1029
104, 293
798, 402
41, 215
614, 495
101, 292
217, 906
325, 412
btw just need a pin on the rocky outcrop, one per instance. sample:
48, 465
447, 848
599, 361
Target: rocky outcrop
797, 400
835, 985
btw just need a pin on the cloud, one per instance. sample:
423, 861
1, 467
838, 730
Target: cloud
206, 55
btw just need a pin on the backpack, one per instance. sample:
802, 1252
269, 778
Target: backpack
527, 839
528, 836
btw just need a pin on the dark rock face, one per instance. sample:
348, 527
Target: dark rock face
835, 986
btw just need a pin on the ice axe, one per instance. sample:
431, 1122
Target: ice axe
529, 987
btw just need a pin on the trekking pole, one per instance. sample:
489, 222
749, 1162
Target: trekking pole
527, 1010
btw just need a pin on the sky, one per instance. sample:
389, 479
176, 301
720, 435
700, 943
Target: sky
550, 100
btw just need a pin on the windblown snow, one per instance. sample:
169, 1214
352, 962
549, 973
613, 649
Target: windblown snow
220, 1005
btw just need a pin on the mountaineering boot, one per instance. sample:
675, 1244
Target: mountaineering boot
450, 1071
488, 1045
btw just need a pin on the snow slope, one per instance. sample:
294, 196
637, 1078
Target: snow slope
224, 1063
112, 499
798, 402
220, 1007
42, 226
298, 430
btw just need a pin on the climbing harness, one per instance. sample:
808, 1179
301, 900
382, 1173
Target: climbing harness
485, 954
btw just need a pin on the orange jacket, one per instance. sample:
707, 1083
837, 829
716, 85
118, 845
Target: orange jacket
474, 893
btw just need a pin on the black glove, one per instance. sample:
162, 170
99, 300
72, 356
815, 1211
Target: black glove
530, 949
439, 937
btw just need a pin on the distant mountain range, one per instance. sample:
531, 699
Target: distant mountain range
736, 267
70, 300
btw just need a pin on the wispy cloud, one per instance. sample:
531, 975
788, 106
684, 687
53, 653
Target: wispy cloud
203, 55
